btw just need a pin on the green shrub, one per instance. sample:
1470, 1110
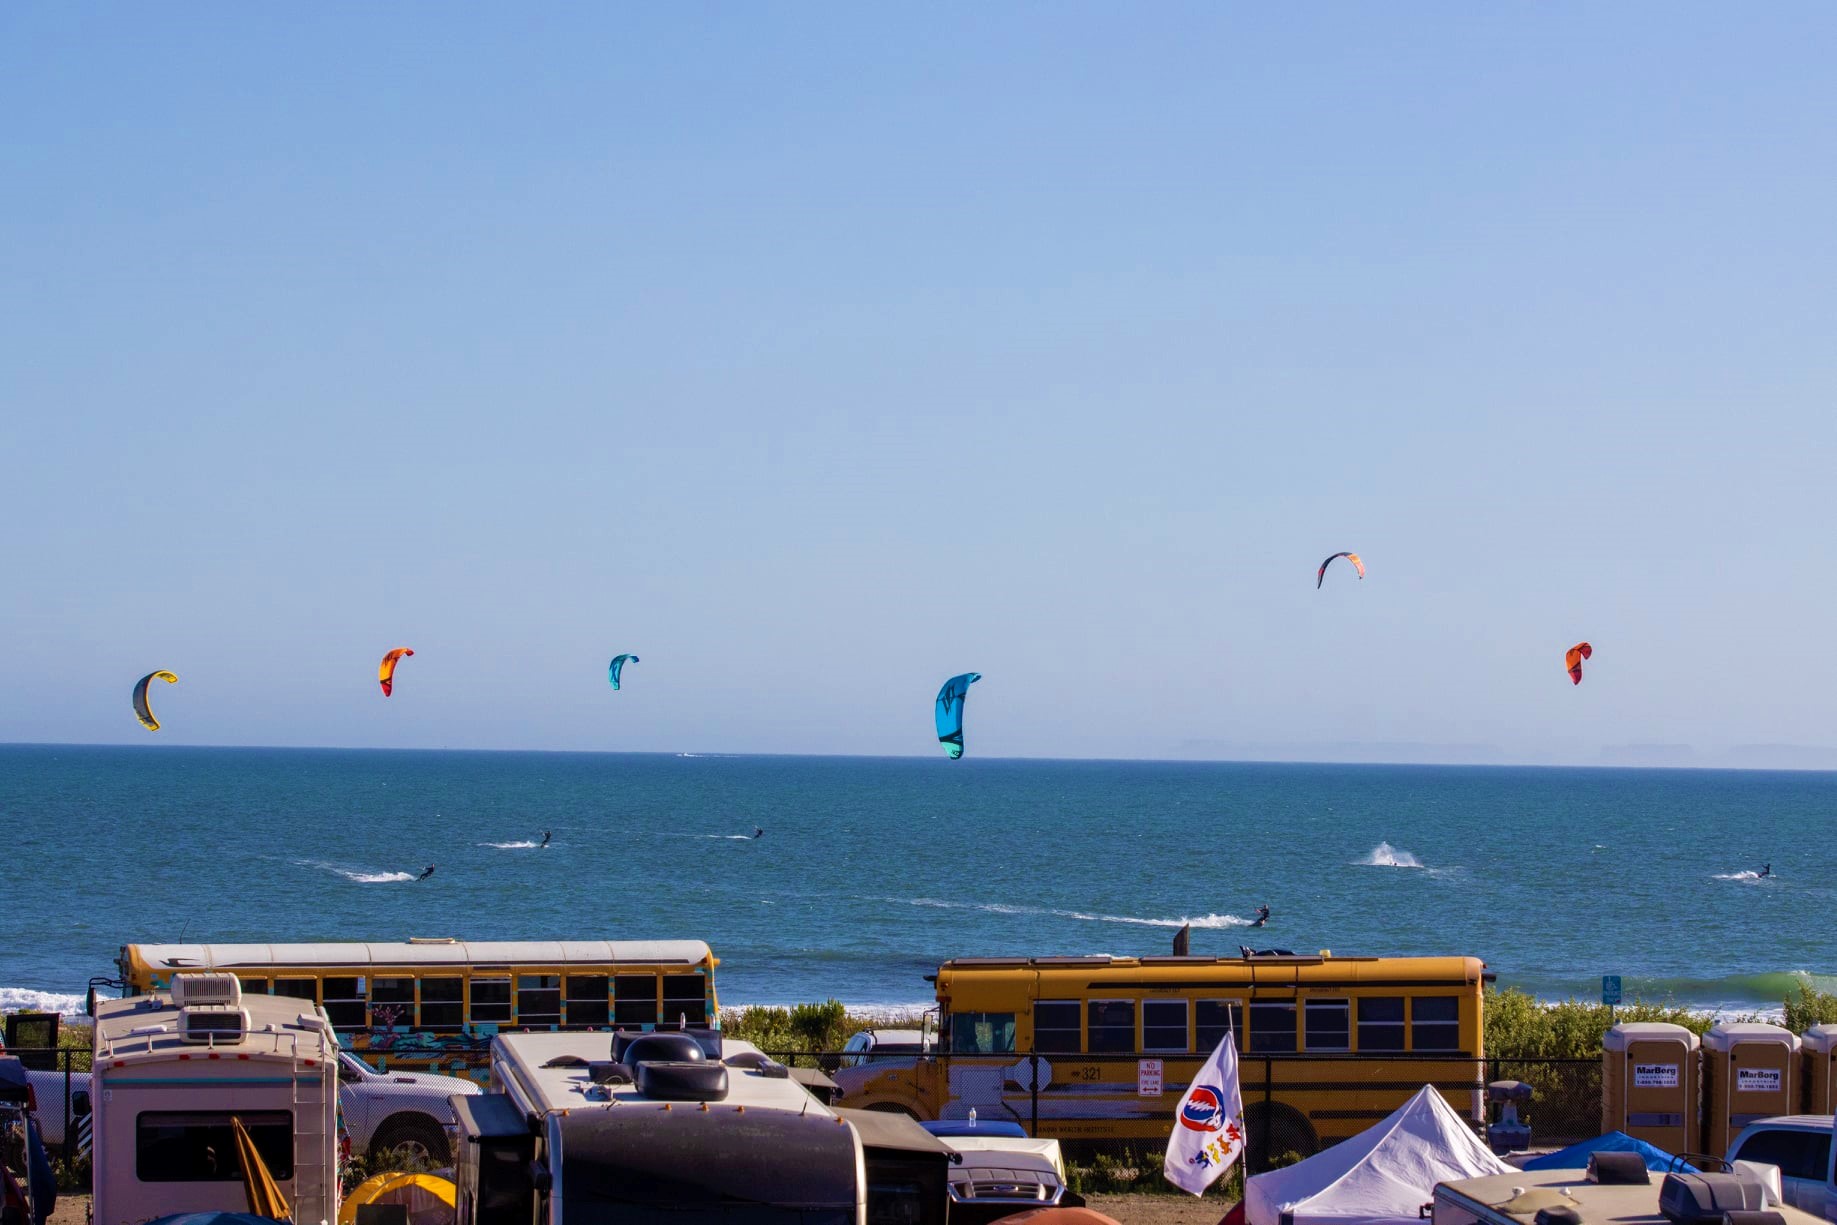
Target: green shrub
1519, 1026
1808, 1007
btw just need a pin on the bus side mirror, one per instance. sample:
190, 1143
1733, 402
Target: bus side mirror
89, 1001
79, 1104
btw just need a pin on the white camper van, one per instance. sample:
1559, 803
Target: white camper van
172, 1072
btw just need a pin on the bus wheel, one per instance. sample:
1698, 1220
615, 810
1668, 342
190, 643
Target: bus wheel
893, 1108
1275, 1132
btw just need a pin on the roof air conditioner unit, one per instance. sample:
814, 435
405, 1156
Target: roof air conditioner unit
212, 1025
206, 991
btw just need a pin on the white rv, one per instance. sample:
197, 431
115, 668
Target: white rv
685, 1127
171, 1074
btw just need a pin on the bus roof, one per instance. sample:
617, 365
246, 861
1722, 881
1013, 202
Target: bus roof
415, 954
1322, 970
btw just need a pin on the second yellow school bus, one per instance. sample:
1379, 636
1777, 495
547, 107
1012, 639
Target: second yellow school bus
1327, 1045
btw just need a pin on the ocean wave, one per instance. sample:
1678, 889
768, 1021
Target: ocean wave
1203, 922
24, 999
358, 875
1384, 855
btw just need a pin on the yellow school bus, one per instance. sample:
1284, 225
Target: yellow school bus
432, 1000
1099, 1049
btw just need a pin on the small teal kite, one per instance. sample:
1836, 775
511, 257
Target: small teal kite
950, 712
617, 666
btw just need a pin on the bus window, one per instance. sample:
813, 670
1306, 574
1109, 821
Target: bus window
1055, 1025
392, 1002
1381, 1023
539, 1000
1328, 1025
297, 988
1435, 1023
1112, 1026
1215, 1018
634, 999
1164, 1025
344, 1002
253, 986
1272, 1028
587, 999
685, 998
982, 1033
491, 1001
443, 1004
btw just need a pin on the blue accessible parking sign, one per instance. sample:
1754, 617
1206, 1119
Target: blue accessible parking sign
1610, 989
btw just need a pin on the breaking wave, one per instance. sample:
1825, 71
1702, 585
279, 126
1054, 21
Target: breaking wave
359, 875
1384, 855
24, 999
1202, 922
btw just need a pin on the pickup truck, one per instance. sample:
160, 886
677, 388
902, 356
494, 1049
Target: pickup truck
404, 1112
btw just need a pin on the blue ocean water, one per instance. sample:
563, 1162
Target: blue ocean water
871, 871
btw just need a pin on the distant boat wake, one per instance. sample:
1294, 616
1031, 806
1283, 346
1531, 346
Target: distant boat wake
357, 874
1210, 921
1384, 855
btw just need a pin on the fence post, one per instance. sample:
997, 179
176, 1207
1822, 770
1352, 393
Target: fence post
1033, 1079
68, 1147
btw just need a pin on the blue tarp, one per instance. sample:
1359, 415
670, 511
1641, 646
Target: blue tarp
1575, 1157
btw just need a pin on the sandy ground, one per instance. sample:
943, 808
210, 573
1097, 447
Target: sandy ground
1162, 1209
1129, 1209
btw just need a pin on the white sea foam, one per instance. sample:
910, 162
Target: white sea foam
24, 999
359, 875
1746, 878
513, 846
1384, 855
1209, 921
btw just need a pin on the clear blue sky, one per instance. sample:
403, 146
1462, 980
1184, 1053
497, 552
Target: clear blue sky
817, 353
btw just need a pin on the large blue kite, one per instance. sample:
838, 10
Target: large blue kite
950, 712
617, 666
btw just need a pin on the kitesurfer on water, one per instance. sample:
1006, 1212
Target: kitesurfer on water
757, 832
546, 835
1262, 917
1766, 871
426, 874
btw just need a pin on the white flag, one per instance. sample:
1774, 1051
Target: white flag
1209, 1123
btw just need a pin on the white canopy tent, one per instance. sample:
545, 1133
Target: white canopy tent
1382, 1176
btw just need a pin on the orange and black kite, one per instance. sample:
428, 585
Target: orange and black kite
1573, 660
385, 671
1321, 576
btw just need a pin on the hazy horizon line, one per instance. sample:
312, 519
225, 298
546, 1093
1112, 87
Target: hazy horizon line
1297, 760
